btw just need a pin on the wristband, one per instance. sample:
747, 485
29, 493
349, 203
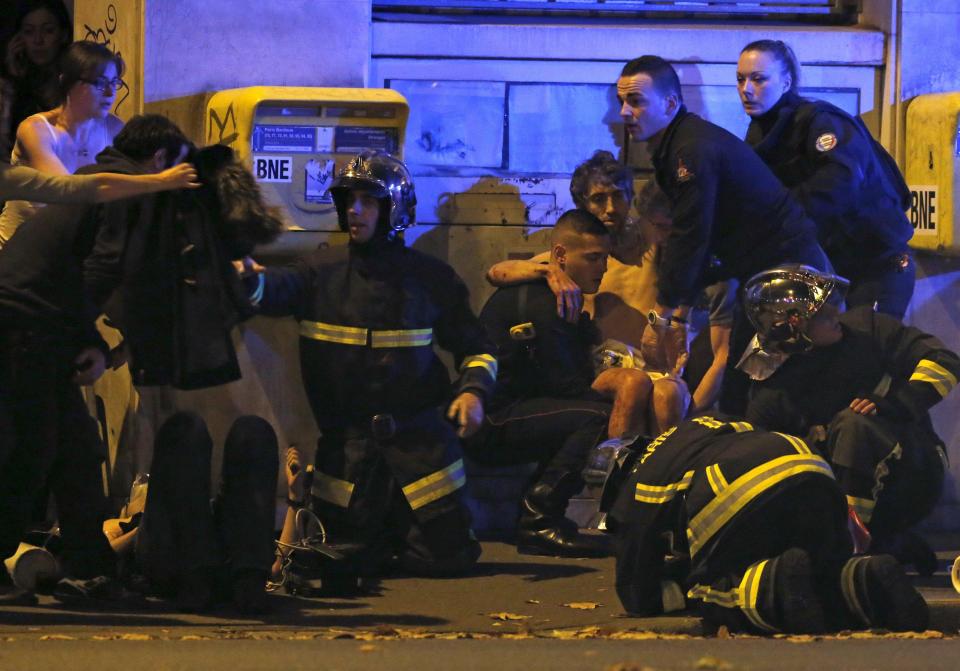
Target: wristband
296, 505
656, 320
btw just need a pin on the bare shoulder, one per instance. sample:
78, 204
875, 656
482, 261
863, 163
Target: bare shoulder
37, 125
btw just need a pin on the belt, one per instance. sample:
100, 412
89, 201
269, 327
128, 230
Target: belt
381, 426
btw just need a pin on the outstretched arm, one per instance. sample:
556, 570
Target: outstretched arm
569, 296
111, 186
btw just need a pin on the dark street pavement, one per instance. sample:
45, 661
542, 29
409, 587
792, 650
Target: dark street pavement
516, 612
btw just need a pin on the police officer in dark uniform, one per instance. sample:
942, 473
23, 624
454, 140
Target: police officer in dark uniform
862, 382
544, 409
724, 202
844, 179
751, 526
388, 465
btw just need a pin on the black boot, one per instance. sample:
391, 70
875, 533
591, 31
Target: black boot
910, 550
544, 530
877, 593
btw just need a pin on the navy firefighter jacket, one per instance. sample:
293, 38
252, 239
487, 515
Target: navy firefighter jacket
369, 316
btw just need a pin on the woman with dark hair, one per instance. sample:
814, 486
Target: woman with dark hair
72, 134
845, 180
42, 30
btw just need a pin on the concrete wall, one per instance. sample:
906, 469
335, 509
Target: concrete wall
203, 45
928, 45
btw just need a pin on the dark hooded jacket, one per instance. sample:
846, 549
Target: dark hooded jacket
161, 267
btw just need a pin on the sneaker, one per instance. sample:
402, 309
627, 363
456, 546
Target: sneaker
879, 594
101, 591
798, 608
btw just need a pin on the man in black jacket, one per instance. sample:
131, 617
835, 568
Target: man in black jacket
550, 407
724, 201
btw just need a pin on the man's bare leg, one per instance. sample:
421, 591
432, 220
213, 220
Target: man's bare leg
629, 389
670, 401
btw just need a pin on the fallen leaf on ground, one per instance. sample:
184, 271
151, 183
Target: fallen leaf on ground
713, 664
507, 616
628, 666
57, 637
723, 632
367, 648
533, 600
583, 605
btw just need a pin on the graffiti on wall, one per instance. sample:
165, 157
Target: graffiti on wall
222, 130
105, 32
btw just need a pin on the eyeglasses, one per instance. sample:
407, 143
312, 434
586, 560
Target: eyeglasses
102, 83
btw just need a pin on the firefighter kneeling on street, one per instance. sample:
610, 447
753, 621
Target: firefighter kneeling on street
752, 526
859, 385
388, 463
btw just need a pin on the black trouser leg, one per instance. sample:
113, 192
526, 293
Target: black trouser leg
34, 381
558, 434
735, 388
247, 503
178, 535
77, 485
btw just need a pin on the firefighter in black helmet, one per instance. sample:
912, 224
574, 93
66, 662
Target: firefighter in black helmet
860, 384
388, 464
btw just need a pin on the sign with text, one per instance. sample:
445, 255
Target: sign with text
273, 168
923, 209
284, 138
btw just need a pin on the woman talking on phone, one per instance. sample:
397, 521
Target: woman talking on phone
42, 29
845, 180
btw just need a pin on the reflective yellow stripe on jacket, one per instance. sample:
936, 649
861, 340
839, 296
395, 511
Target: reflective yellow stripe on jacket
332, 490
662, 493
399, 338
934, 374
353, 335
745, 489
485, 361
436, 485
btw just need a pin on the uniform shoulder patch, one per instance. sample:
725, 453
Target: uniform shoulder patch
826, 142
684, 174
